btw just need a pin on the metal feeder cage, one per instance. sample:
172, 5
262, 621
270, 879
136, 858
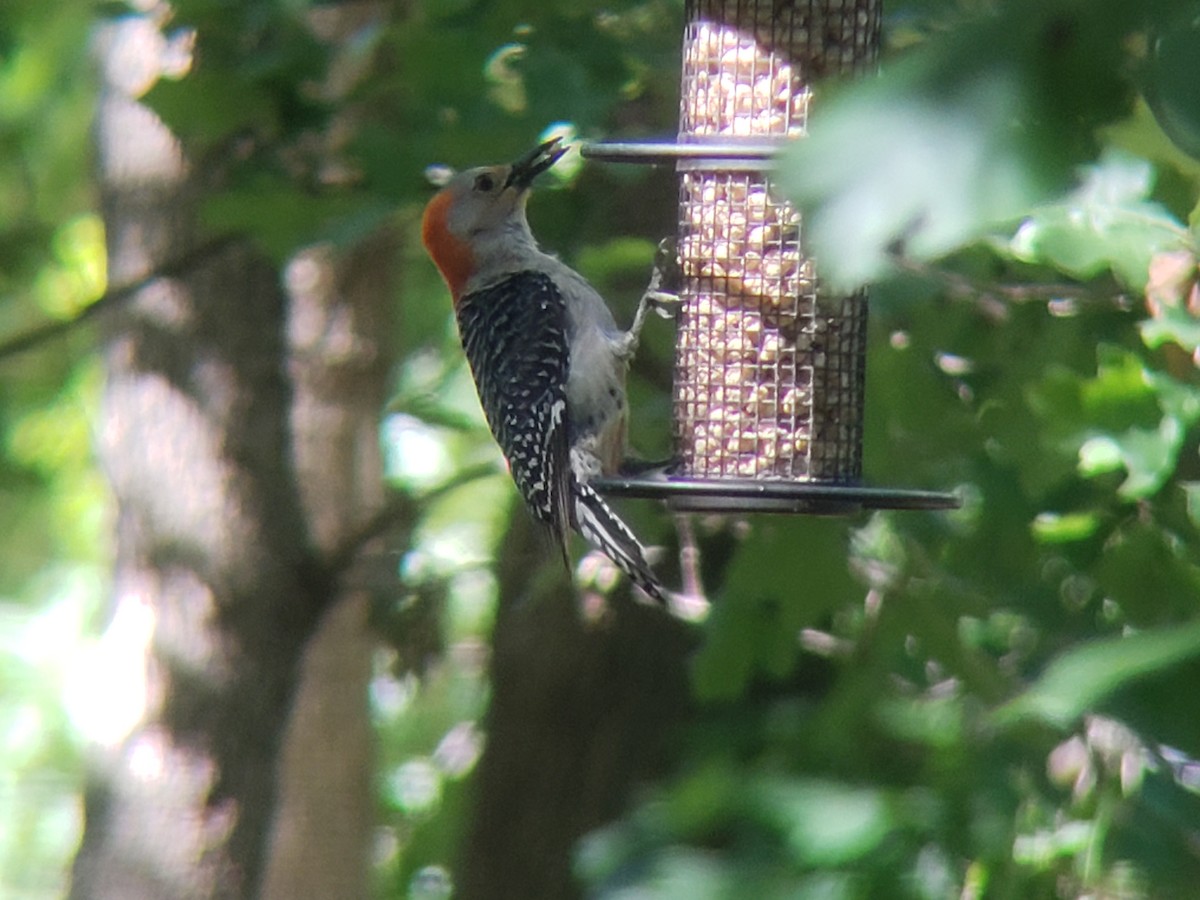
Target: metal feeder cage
769, 375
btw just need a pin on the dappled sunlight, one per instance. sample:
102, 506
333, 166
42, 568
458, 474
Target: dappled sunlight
51, 439
78, 275
431, 883
174, 438
54, 579
458, 751
569, 165
415, 786
142, 52
416, 453
107, 693
164, 304
41, 649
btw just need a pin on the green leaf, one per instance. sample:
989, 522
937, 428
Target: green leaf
1121, 393
1061, 528
1161, 707
200, 108
826, 823
1147, 455
1191, 492
1117, 403
962, 134
1178, 400
788, 575
1172, 324
935, 722
1042, 848
1106, 225
282, 219
947, 171
1148, 574
1081, 678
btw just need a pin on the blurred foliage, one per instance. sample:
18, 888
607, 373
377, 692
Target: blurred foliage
987, 117
52, 502
996, 701
1002, 714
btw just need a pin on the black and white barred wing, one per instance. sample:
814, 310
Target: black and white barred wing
514, 334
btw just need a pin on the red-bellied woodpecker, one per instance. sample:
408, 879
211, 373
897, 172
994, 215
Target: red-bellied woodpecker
548, 359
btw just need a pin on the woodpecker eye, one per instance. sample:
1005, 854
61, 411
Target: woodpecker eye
484, 182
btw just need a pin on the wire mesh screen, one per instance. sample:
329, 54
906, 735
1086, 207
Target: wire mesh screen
769, 377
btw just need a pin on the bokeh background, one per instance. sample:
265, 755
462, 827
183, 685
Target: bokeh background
268, 613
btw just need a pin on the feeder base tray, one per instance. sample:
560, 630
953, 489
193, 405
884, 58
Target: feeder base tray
750, 495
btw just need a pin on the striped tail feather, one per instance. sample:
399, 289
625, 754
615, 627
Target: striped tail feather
604, 530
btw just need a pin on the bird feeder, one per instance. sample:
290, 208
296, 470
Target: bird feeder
769, 372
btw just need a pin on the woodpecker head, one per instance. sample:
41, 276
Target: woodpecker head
478, 218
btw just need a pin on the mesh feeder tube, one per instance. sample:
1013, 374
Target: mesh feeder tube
769, 375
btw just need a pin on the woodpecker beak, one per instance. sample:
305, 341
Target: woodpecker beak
534, 163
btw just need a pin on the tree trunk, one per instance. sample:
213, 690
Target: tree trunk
578, 716
336, 328
238, 436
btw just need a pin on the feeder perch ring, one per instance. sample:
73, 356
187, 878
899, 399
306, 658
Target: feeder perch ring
735, 495
727, 155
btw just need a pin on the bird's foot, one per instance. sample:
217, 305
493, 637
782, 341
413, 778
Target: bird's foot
660, 294
643, 468
666, 279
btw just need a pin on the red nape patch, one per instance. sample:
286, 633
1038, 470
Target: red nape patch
451, 255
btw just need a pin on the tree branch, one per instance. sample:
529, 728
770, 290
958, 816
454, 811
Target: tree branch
40, 334
988, 293
400, 509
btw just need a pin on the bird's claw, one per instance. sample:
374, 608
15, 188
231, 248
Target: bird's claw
668, 273
666, 305
647, 468
660, 294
